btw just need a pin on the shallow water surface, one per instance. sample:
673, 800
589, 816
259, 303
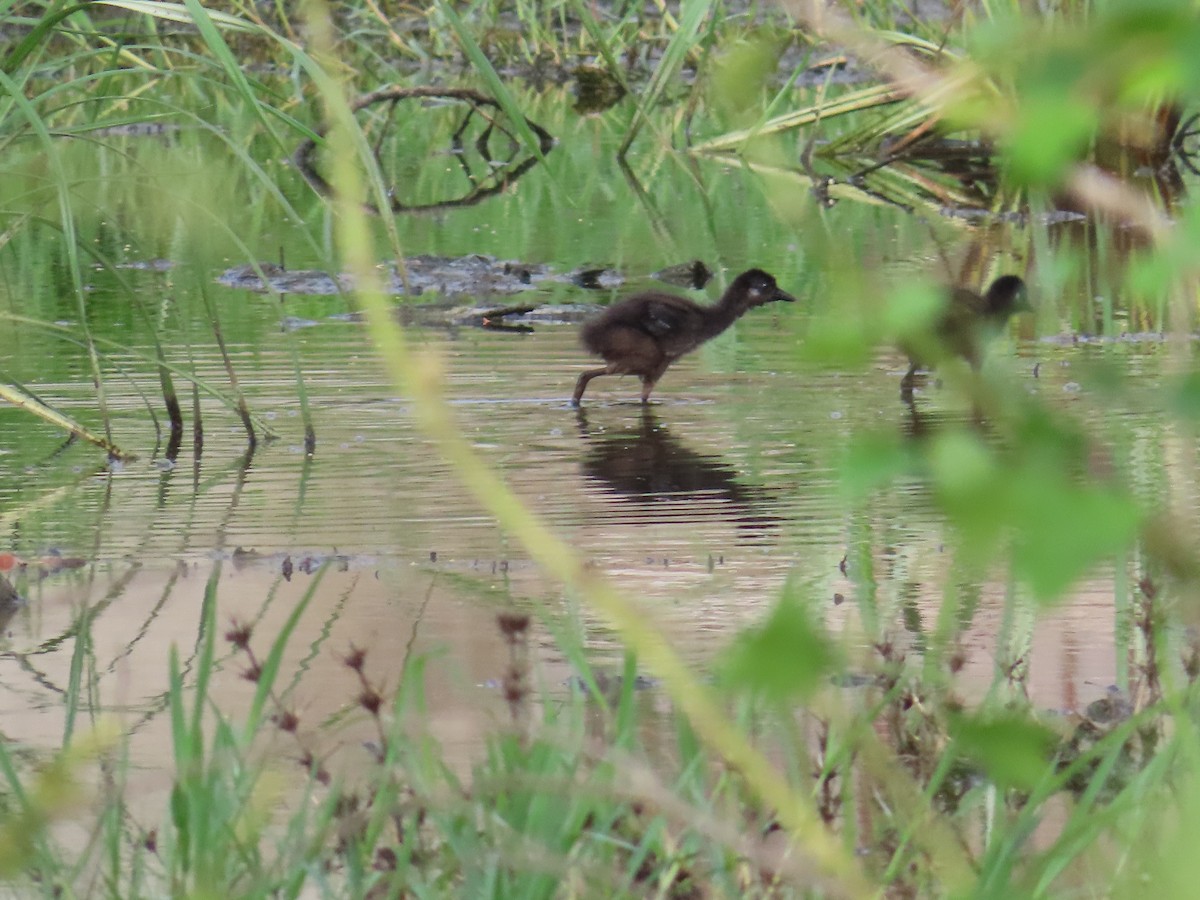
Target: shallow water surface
701, 507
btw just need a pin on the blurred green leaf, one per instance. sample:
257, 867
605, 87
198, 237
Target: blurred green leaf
1104, 374
842, 338
1184, 397
1147, 47
913, 308
1014, 750
872, 461
740, 74
963, 468
1167, 865
785, 657
1154, 78
1066, 529
1039, 495
991, 42
1047, 438
970, 488
1052, 131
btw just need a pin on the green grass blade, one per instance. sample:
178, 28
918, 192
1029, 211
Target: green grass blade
681, 43
857, 101
491, 78
592, 27
62, 183
270, 666
40, 33
66, 333
209, 24
21, 398
206, 657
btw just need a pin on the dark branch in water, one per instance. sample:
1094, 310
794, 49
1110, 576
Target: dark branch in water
499, 177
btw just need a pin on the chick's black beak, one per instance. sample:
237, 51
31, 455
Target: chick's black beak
784, 296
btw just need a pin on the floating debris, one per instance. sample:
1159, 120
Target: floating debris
610, 683
853, 679
143, 265
136, 129
1110, 709
976, 214
272, 278
557, 314
295, 323
694, 274
476, 275
1136, 337
52, 562
597, 279
449, 276
596, 89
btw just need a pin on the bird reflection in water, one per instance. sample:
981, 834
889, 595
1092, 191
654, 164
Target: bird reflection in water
667, 482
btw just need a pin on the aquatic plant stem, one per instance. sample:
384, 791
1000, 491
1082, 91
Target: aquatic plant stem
693, 14
492, 79
1096, 189
66, 333
19, 396
418, 375
62, 185
243, 408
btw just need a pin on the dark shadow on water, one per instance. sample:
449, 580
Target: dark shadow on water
920, 425
666, 481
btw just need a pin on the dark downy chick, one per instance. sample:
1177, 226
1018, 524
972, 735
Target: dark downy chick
643, 334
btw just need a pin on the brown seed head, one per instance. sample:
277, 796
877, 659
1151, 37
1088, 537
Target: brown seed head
239, 634
286, 721
355, 658
512, 624
370, 700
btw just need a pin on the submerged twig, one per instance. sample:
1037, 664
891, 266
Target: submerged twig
22, 398
497, 181
242, 407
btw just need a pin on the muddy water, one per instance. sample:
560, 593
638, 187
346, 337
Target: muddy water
699, 507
